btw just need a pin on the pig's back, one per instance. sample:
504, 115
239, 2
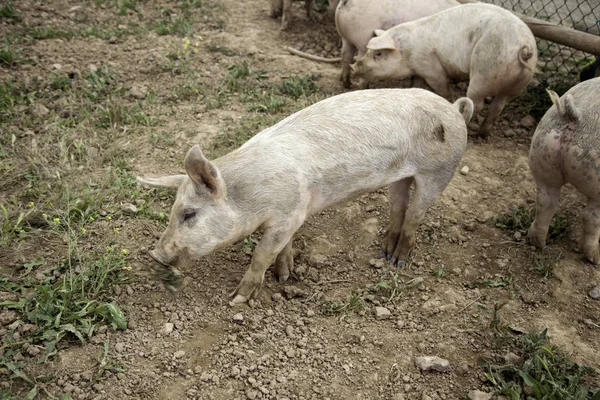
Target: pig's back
359, 119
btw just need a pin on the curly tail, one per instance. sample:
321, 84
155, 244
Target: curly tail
525, 54
465, 108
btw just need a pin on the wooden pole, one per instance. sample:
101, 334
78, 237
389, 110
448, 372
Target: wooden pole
558, 34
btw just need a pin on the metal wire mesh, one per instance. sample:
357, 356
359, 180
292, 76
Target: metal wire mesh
556, 60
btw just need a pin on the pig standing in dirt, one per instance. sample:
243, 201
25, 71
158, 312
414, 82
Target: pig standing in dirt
482, 42
356, 20
325, 154
566, 149
284, 8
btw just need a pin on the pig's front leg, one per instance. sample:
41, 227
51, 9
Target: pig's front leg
348, 52
435, 75
398, 195
276, 8
274, 240
591, 231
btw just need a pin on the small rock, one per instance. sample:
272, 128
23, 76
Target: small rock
169, 328
382, 313
40, 111
120, 347
33, 351
56, 66
528, 122
464, 170
139, 92
8, 317
276, 297
235, 371
310, 313
432, 363
238, 318
317, 260
478, 395
518, 235
178, 354
251, 394
473, 126
98, 387
512, 358
129, 208
69, 388
377, 263
595, 292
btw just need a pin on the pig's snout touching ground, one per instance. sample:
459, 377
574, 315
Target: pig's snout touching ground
158, 256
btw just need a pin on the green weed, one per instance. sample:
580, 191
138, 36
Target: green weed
8, 11
546, 262
49, 32
494, 312
521, 218
7, 56
439, 272
299, 86
223, 50
391, 289
355, 304
544, 372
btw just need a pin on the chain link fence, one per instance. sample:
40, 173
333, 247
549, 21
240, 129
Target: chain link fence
558, 62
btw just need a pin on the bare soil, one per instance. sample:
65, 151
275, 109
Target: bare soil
287, 346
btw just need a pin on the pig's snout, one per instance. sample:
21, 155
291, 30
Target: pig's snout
160, 258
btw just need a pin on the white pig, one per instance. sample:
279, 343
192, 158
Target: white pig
325, 154
565, 148
356, 20
482, 42
284, 8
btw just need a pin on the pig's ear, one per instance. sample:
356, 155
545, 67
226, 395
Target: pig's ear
203, 173
379, 32
167, 182
386, 42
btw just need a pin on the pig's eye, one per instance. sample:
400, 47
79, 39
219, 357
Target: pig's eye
188, 214
377, 54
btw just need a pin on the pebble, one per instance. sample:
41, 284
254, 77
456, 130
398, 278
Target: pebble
518, 235
238, 318
382, 313
129, 208
377, 263
432, 363
178, 354
595, 292
310, 313
120, 347
528, 122
317, 260
464, 170
40, 111
512, 358
169, 328
276, 297
251, 394
478, 395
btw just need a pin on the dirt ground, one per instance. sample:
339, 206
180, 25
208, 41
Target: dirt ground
292, 342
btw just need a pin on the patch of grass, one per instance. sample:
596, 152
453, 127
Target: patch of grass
299, 86
439, 272
234, 137
7, 56
521, 218
543, 372
182, 25
49, 32
213, 48
8, 11
501, 281
13, 223
494, 313
355, 304
60, 82
71, 298
546, 262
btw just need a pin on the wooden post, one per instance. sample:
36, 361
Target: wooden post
558, 34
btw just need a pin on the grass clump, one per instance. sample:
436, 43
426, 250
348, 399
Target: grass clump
8, 12
543, 372
355, 304
520, 218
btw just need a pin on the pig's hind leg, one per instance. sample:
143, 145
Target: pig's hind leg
548, 194
398, 196
494, 111
428, 187
284, 264
591, 231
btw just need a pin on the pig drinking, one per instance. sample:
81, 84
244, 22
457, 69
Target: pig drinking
325, 154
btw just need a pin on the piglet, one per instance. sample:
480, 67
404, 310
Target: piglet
487, 44
325, 154
566, 149
283, 8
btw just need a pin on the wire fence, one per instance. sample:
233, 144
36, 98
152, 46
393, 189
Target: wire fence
555, 60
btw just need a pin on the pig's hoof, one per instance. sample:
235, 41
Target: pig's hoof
381, 254
238, 299
400, 264
535, 240
593, 257
283, 278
